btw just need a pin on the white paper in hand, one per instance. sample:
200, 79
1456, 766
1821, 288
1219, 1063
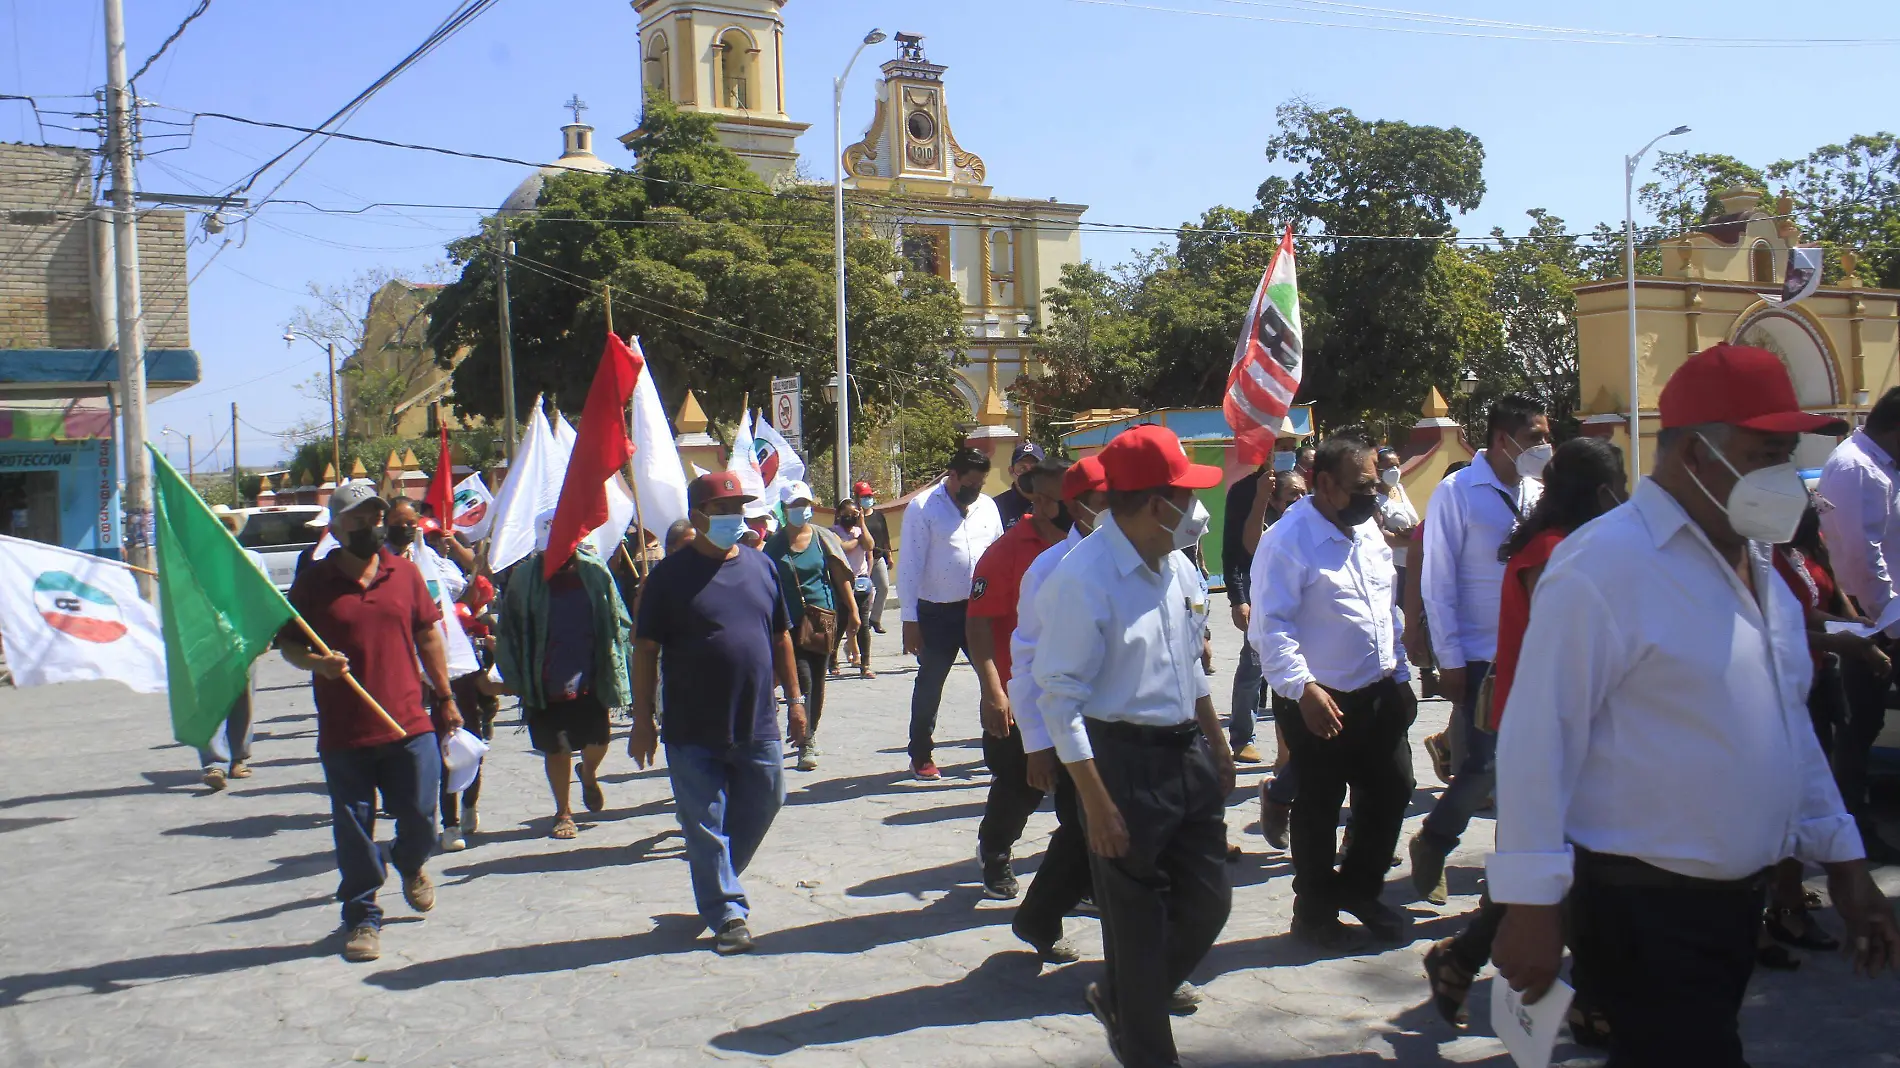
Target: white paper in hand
1529, 1031
462, 759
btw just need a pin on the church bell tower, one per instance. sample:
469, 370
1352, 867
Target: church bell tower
727, 60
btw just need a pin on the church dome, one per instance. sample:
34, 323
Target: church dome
577, 155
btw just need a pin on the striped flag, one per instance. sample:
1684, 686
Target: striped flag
1267, 361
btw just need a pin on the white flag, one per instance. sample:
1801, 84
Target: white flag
442, 586
1803, 275
73, 617
744, 462
659, 478
533, 486
779, 466
474, 508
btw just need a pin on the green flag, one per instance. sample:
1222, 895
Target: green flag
218, 610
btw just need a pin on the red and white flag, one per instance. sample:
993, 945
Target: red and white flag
1267, 361
601, 449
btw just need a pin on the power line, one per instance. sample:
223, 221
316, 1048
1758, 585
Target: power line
176, 34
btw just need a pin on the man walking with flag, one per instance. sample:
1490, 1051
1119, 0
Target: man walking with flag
373, 610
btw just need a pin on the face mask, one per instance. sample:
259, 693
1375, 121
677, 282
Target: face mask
966, 496
402, 537
798, 514
866, 502
724, 530
1764, 505
1063, 519
364, 543
1191, 525
1283, 461
1531, 461
847, 518
1359, 508
1022, 485
1390, 476
1081, 513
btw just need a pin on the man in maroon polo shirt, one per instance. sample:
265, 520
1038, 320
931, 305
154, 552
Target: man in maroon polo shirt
373, 609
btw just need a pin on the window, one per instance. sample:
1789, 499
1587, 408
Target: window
659, 65
29, 506
927, 248
735, 63
279, 528
1761, 264
1002, 268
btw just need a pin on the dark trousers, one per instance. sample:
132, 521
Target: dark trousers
1668, 960
811, 685
1165, 901
1063, 879
941, 625
863, 634
1866, 715
1372, 756
1246, 704
1012, 800
1285, 787
1476, 776
478, 716
409, 774
1471, 947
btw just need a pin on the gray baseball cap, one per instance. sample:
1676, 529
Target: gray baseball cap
351, 495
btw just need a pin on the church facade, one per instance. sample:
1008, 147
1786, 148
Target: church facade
920, 187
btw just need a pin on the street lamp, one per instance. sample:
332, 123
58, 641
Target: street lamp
837, 236
1629, 264
336, 448
190, 472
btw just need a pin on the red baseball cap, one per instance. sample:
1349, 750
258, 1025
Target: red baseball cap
714, 486
1083, 476
1742, 386
1149, 457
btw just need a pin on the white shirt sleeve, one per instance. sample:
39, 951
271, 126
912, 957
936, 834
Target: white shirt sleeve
1068, 659
1574, 654
1444, 541
1402, 673
1864, 518
1025, 696
1279, 582
913, 554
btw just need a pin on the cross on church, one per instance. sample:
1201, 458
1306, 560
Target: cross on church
576, 105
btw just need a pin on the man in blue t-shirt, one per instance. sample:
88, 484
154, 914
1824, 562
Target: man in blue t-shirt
712, 616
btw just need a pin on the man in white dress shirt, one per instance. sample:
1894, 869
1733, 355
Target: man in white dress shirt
1326, 623
1861, 521
1129, 710
946, 528
1659, 759
1469, 518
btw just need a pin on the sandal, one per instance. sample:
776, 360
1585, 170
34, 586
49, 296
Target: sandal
1810, 899
867, 673
1451, 983
564, 828
591, 794
1588, 1025
1806, 935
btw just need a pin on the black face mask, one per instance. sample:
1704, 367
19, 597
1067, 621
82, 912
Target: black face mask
1359, 508
1022, 485
401, 537
966, 496
1063, 520
364, 543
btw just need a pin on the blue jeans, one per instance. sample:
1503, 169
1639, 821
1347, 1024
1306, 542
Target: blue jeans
231, 744
1246, 696
409, 774
1476, 777
941, 627
727, 800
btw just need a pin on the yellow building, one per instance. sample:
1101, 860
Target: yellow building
1721, 283
389, 383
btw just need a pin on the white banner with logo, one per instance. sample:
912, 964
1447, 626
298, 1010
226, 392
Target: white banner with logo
72, 617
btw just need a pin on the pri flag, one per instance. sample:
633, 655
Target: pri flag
744, 462
532, 487
601, 449
1267, 361
779, 466
474, 508
74, 617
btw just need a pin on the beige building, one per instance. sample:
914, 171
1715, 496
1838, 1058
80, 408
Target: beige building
389, 384
1723, 283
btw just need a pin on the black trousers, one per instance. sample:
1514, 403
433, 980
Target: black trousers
1164, 902
1372, 756
1012, 800
478, 715
1866, 716
1668, 959
941, 627
1063, 879
811, 686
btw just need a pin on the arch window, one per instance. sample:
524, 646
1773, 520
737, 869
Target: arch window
659, 66
736, 81
1761, 264
1002, 268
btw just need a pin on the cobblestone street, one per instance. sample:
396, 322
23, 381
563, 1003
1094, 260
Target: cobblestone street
146, 922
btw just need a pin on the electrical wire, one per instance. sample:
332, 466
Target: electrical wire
175, 35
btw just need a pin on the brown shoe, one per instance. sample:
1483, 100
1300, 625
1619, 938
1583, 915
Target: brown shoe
214, 778
240, 770
419, 891
1248, 754
365, 944
1274, 818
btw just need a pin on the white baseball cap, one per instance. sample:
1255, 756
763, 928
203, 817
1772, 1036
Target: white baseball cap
796, 491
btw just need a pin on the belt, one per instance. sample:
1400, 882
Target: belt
1179, 735
1614, 869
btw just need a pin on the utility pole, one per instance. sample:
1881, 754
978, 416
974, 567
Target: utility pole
235, 501
130, 342
336, 447
505, 248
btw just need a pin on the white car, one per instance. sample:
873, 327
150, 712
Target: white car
279, 535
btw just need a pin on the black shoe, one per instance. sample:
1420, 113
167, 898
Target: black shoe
1098, 1005
999, 882
1056, 950
1326, 932
1086, 907
879, 627
1379, 919
732, 938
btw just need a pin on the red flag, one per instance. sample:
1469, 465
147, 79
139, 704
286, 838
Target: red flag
600, 449
1268, 359
441, 492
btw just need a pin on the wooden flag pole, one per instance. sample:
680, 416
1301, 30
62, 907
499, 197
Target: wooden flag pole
607, 300
321, 649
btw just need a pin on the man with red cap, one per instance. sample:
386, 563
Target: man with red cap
1671, 762
1132, 717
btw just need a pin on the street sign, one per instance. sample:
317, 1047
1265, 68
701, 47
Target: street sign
787, 416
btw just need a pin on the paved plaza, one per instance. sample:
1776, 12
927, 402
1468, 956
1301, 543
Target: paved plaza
145, 922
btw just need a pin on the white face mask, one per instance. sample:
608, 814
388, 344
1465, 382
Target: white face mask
1083, 515
1192, 525
1390, 476
1532, 461
1765, 505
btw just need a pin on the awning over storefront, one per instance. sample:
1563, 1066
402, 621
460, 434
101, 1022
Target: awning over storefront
65, 373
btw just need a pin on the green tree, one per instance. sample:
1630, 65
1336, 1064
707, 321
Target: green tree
727, 283
1531, 282
1847, 197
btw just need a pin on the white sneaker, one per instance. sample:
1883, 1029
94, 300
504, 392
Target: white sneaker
808, 758
452, 840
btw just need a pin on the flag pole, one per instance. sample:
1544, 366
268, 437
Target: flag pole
633, 485
321, 649
607, 301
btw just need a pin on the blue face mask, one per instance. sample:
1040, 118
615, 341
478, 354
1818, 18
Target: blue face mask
724, 530
798, 515
866, 502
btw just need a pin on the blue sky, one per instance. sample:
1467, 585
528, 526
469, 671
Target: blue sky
1147, 116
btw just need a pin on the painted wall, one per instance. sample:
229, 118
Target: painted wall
88, 508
